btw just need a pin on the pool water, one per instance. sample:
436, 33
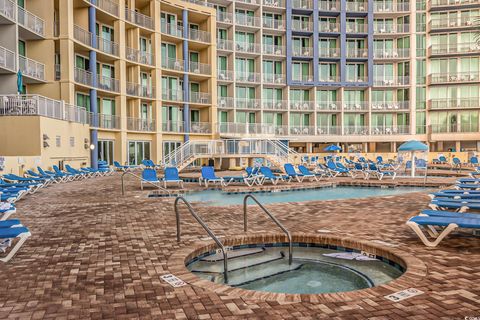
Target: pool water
220, 198
311, 272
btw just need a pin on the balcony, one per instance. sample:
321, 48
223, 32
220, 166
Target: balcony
440, 24
200, 97
356, 130
251, 128
251, 104
275, 104
224, 75
201, 127
391, 53
329, 105
224, 17
7, 59
302, 52
173, 126
252, 77
328, 78
35, 105
355, 106
247, 21
389, 130
225, 45
390, 105
329, 130
391, 28
104, 121
31, 68
225, 102
302, 105
8, 10
139, 19
201, 3
357, 6
356, 78
173, 64
30, 22
138, 56
455, 3
302, 4
138, 90
199, 68
276, 24
329, 52
390, 7
302, 26
329, 27
455, 128
357, 28
139, 124
251, 2
108, 6
460, 103
302, 130
302, 78
247, 47
272, 78
199, 35
85, 37
172, 30
83, 77
391, 81
454, 77
274, 3
172, 95
328, 6
108, 84
454, 48
357, 53
273, 50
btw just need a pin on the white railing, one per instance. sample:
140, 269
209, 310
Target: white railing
329, 52
329, 105
139, 56
440, 3
199, 68
302, 51
272, 78
473, 76
140, 124
302, 130
248, 47
356, 130
391, 81
253, 77
200, 127
108, 84
302, 4
173, 126
241, 103
271, 23
226, 102
224, 17
226, 45
246, 20
357, 53
138, 18
329, 130
172, 29
386, 7
389, 130
107, 6
274, 104
35, 105
391, 53
8, 9
357, 28
199, 35
470, 47
460, 103
173, 64
355, 106
172, 95
7, 59
224, 75
390, 105
104, 121
329, 26
274, 3
200, 97
304, 26
274, 50
135, 89
83, 76
31, 68
30, 21
329, 5
357, 6
302, 105
391, 28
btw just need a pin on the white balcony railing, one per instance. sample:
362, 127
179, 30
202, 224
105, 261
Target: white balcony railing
172, 29
399, 53
248, 21
173, 64
454, 48
30, 21
140, 124
225, 45
104, 121
273, 78
247, 47
454, 77
273, 50
107, 6
173, 126
138, 18
226, 102
200, 127
139, 56
275, 104
200, 97
252, 104
390, 105
8, 9
172, 95
31, 68
138, 90
302, 105
7, 59
199, 68
199, 35
225, 75
253, 77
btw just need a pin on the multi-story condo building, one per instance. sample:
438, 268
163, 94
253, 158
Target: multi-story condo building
135, 79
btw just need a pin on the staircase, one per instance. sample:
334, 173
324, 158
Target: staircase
271, 149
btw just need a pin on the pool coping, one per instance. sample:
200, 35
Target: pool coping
415, 271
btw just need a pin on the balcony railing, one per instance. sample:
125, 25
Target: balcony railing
172, 29
173, 64
251, 128
391, 28
399, 53
389, 130
200, 127
302, 51
302, 4
273, 50
386, 7
460, 103
357, 53
172, 95
99, 43
241, 103
138, 18
329, 130
274, 3
390, 105
226, 102
35, 105
138, 90
329, 5
329, 52
357, 6
107, 6
454, 48
273, 78
7, 59
199, 35
247, 47
139, 124
173, 126
107, 46
277, 24
8, 9
200, 97
31, 68
302, 105
108, 84
104, 121
329, 105
443, 23
139, 56
30, 21
254, 2
303, 26
224, 75
328, 78
224, 17
355, 106
356, 78
302, 130
199, 68
391, 81
455, 128
357, 28
253, 77
275, 104
226, 45
442, 3
248, 21
452, 77
356, 130
83, 76
329, 27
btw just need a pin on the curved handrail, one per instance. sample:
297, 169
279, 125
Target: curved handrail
205, 227
245, 222
139, 177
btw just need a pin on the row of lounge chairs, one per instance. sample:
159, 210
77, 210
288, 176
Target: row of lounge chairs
449, 210
150, 177
14, 188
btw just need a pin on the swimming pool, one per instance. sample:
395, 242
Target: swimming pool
221, 198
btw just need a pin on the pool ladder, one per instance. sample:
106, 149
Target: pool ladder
245, 228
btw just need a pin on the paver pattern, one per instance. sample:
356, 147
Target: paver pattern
95, 254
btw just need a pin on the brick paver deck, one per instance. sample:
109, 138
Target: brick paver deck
96, 254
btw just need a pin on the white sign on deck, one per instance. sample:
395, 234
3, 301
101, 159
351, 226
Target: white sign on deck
404, 294
173, 280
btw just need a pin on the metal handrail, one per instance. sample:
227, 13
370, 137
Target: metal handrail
245, 222
205, 227
139, 177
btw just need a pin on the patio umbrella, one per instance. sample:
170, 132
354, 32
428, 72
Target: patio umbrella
19, 82
413, 146
332, 148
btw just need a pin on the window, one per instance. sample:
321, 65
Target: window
82, 100
138, 151
58, 141
72, 142
22, 50
105, 151
169, 147
301, 71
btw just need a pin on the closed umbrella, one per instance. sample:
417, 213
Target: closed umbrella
19, 82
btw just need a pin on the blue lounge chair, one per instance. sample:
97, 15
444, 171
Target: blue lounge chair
323, 169
171, 176
359, 170
306, 173
440, 160
467, 186
460, 205
335, 171
456, 163
250, 177
474, 161
445, 224
6, 210
149, 176
292, 173
208, 176
267, 175
10, 229
17, 179
119, 167
59, 177
373, 170
446, 196
79, 173
70, 176
304, 159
